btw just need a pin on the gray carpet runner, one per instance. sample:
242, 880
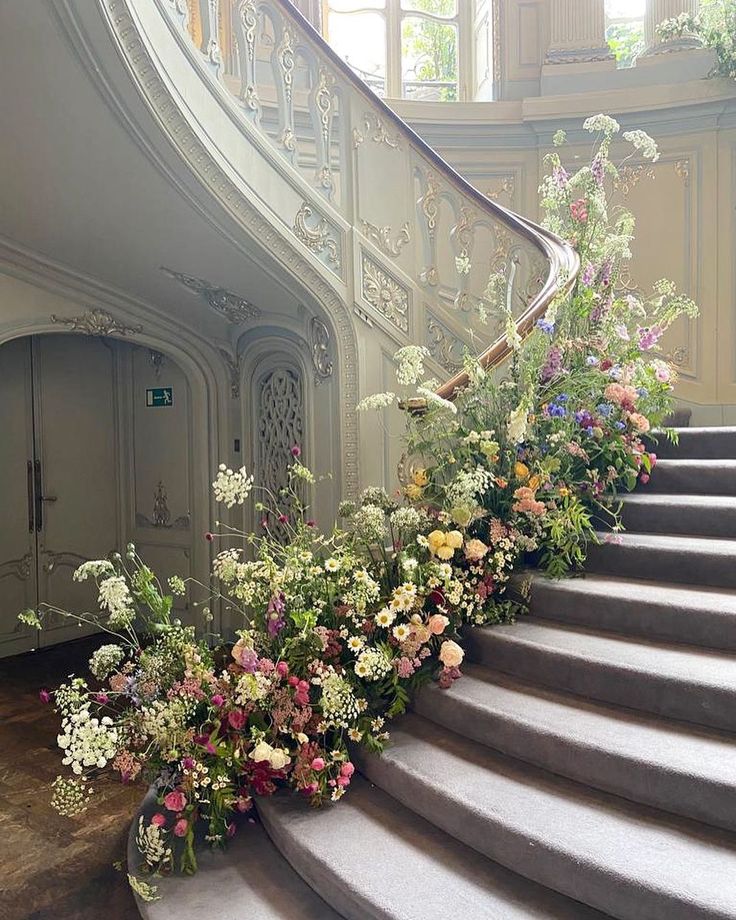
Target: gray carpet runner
583, 768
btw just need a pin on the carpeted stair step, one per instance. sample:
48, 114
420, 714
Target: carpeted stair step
678, 682
656, 610
249, 879
681, 559
698, 444
702, 515
693, 477
626, 860
678, 767
371, 857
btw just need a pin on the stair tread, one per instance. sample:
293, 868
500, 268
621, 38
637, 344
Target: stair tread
616, 852
674, 542
705, 667
693, 462
380, 859
646, 591
615, 729
679, 498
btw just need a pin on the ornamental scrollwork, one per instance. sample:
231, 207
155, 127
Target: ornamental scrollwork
233, 364
96, 322
317, 238
323, 99
381, 236
384, 294
320, 342
446, 348
630, 176
506, 185
285, 57
429, 202
374, 128
234, 308
682, 169
18, 568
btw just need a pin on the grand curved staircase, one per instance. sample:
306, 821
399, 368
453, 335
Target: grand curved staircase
583, 767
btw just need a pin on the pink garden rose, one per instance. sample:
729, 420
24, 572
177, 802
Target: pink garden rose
181, 827
175, 801
438, 624
158, 819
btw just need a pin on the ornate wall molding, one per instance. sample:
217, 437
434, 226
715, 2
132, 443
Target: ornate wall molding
160, 514
381, 236
504, 185
373, 128
630, 176
233, 362
96, 322
682, 169
317, 238
234, 308
384, 293
444, 346
320, 347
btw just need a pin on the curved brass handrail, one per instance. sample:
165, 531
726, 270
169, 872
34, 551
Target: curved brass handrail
562, 258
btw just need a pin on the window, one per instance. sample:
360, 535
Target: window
625, 29
403, 48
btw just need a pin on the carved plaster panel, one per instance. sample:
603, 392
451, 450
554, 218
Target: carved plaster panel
96, 322
160, 514
320, 347
317, 237
374, 128
384, 293
234, 308
444, 346
233, 363
381, 236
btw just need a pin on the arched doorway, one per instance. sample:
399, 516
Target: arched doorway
96, 451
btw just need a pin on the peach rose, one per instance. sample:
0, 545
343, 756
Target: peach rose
475, 550
451, 655
438, 624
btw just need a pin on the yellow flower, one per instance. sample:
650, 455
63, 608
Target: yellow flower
521, 470
535, 482
461, 516
413, 492
490, 450
444, 552
435, 540
564, 491
454, 539
421, 478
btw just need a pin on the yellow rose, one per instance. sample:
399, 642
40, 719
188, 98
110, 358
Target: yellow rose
521, 470
454, 539
444, 552
436, 539
413, 492
451, 655
421, 478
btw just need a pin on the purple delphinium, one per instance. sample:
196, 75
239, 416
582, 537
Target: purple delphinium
588, 275
553, 365
546, 326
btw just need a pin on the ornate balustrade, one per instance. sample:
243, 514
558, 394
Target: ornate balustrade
391, 224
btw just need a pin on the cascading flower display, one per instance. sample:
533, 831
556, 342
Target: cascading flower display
338, 629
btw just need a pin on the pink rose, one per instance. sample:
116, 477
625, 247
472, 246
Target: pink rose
158, 819
236, 719
644, 478
343, 781
347, 769
438, 624
318, 764
181, 827
175, 801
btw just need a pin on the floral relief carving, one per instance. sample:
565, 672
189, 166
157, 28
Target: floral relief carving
630, 176
320, 342
233, 363
160, 514
682, 170
381, 236
96, 322
316, 238
447, 349
374, 128
234, 308
505, 186
323, 99
384, 293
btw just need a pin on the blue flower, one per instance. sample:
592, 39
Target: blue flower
620, 425
591, 361
605, 409
546, 326
643, 391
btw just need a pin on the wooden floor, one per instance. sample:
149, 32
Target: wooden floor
51, 866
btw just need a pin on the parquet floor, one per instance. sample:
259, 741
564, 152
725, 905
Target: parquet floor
51, 867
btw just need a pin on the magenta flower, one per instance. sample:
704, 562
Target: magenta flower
318, 764
175, 801
102, 698
236, 719
44, 696
296, 451
218, 700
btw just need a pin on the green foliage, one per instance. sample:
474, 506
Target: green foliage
715, 26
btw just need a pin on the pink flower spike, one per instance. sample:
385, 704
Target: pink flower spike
44, 696
159, 820
318, 764
181, 827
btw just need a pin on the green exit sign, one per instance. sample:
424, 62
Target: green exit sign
159, 396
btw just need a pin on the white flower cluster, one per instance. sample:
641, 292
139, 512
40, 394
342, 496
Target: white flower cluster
70, 796
87, 741
227, 565
177, 585
152, 845
232, 487
407, 520
71, 697
435, 399
104, 661
372, 664
645, 144
364, 590
411, 364
369, 523
116, 598
603, 123
251, 688
468, 486
93, 568
376, 401
339, 704
165, 722
404, 597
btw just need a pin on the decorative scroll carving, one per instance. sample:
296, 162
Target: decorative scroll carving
236, 309
248, 18
381, 236
679, 355
462, 232
96, 322
280, 426
17, 568
682, 169
447, 349
320, 342
630, 176
384, 293
429, 202
506, 185
374, 128
233, 363
316, 238
285, 57
160, 515
157, 359
323, 99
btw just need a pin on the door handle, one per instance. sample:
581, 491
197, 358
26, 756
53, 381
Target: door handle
29, 483
49, 498
38, 494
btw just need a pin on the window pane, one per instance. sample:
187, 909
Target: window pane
360, 39
625, 9
428, 59
345, 6
436, 7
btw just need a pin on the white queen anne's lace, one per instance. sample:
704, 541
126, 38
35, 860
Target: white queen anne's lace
232, 487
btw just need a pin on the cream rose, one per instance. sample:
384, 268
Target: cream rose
438, 624
451, 655
279, 758
475, 550
262, 751
454, 539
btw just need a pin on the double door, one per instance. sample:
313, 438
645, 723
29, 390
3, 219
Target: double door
59, 478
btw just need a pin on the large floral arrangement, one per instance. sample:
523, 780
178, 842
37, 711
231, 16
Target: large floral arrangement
338, 629
715, 25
